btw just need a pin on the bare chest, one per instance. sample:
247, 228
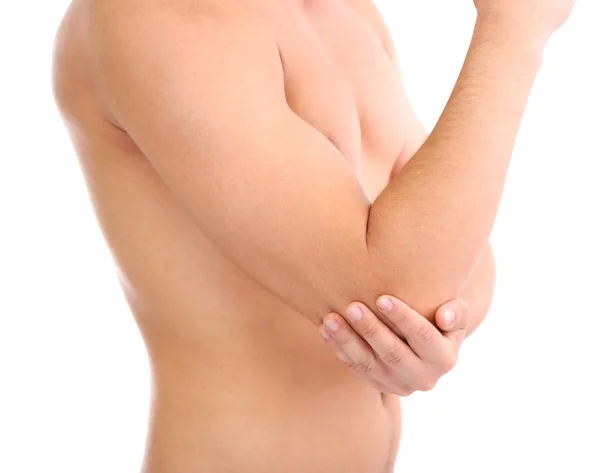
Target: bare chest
341, 80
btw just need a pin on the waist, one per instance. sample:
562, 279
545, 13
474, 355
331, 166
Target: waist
260, 392
267, 407
245, 423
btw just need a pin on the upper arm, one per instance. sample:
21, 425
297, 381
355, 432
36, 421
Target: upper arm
205, 101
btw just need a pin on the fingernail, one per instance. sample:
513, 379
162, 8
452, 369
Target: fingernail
332, 325
449, 316
324, 333
385, 303
355, 312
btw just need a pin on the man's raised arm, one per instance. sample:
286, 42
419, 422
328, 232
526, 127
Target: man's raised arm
203, 96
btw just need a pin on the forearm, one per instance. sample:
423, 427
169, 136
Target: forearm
435, 217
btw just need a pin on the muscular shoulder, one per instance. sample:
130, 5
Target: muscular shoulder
182, 59
126, 19
135, 44
70, 77
179, 29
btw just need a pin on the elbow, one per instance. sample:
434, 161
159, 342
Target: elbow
425, 289
421, 285
422, 272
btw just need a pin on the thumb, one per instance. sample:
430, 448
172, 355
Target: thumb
452, 316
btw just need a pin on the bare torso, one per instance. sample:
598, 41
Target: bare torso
241, 382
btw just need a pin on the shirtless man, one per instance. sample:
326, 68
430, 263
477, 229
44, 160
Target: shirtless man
257, 172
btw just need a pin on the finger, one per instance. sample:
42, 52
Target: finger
453, 319
387, 346
349, 346
401, 387
422, 336
326, 335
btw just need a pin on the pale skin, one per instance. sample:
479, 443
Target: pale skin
258, 172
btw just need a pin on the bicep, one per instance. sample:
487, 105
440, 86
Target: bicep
264, 186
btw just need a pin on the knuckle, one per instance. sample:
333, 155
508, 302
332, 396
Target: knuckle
449, 362
363, 366
427, 384
424, 334
405, 392
369, 330
341, 340
393, 356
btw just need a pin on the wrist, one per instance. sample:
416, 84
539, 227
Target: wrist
505, 31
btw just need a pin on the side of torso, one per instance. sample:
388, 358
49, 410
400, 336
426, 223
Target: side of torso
237, 374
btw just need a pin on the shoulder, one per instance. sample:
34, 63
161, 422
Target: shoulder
68, 70
156, 35
114, 22
182, 59
138, 49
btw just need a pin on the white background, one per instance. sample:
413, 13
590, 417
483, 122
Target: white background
74, 381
